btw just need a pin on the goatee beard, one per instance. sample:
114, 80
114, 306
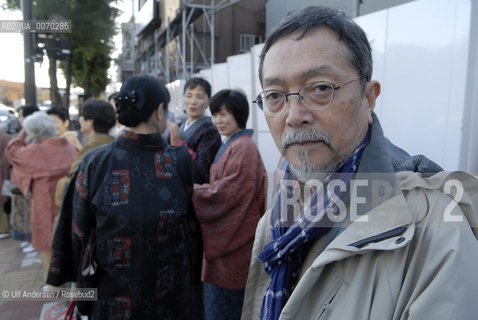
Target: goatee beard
306, 170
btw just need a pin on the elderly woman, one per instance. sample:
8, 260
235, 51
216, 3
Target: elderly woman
133, 221
229, 208
37, 168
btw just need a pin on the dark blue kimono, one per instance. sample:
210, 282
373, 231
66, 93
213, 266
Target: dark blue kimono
203, 141
135, 232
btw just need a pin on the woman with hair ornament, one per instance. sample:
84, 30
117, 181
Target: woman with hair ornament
135, 233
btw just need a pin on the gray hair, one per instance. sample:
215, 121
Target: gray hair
39, 125
309, 20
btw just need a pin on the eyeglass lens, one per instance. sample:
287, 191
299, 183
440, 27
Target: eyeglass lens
314, 95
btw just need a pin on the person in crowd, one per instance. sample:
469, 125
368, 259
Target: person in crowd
197, 133
97, 119
20, 215
62, 124
229, 207
4, 175
118, 127
135, 234
37, 168
360, 229
25, 111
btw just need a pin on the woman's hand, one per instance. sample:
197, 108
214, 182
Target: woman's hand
174, 134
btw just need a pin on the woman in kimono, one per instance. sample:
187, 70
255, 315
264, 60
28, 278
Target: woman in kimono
135, 233
37, 168
229, 208
197, 133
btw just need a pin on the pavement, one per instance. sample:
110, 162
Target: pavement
22, 272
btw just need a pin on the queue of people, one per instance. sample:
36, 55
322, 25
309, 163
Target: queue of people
127, 215
135, 220
175, 226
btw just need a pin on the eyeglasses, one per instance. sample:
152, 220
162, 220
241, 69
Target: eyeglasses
315, 95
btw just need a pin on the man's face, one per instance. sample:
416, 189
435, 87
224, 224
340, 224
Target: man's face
60, 125
290, 64
86, 126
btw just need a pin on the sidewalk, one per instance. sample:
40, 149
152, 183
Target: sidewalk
20, 270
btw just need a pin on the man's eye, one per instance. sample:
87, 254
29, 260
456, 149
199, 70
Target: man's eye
273, 96
321, 88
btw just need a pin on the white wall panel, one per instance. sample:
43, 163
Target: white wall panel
423, 75
239, 72
220, 78
375, 28
261, 120
206, 74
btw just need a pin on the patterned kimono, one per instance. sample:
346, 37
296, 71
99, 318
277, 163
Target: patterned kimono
135, 233
96, 140
38, 167
229, 208
203, 140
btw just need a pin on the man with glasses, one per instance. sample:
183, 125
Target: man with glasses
359, 229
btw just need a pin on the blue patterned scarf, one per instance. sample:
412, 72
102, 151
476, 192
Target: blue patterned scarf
283, 256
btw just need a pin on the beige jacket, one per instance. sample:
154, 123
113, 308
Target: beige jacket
415, 258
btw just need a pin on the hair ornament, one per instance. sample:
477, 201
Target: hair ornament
128, 99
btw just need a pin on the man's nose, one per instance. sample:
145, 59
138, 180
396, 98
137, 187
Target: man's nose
298, 115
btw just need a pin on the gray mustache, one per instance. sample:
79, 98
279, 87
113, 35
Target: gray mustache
305, 135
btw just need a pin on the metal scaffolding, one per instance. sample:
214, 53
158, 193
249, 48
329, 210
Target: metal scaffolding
175, 62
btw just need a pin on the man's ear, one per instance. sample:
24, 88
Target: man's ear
372, 91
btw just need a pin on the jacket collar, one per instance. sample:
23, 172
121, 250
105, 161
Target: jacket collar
377, 221
225, 145
189, 133
137, 140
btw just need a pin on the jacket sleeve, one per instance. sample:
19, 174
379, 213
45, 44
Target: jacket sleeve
206, 150
229, 207
257, 279
21, 156
441, 282
63, 267
22, 160
83, 223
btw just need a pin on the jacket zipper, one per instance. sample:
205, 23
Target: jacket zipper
326, 307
